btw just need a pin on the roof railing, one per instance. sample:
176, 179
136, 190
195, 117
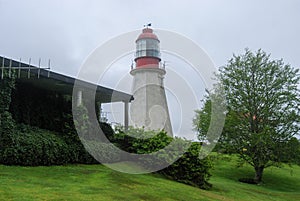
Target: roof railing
19, 65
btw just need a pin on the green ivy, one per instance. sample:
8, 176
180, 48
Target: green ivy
7, 124
7, 84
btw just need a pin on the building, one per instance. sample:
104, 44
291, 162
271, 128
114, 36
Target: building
30, 101
149, 108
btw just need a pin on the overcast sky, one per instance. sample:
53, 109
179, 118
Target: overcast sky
67, 31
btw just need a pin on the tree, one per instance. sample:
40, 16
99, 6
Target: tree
202, 124
202, 120
291, 152
263, 108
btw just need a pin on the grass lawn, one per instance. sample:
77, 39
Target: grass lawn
96, 182
278, 183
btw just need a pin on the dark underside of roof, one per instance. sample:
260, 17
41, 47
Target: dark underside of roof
45, 79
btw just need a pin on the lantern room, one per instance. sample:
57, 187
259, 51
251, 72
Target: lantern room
147, 53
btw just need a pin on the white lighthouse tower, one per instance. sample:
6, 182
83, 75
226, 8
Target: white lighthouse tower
149, 108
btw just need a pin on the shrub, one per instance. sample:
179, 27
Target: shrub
139, 141
107, 130
32, 146
35, 147
189, 168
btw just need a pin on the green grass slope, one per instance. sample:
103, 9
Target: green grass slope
89, 182
96, 182
278, 183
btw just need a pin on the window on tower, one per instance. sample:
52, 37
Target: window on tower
147, 47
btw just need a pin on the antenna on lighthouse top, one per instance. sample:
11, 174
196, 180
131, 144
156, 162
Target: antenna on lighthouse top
147, 25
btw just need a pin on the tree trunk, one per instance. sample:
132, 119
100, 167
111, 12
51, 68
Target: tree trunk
258, 173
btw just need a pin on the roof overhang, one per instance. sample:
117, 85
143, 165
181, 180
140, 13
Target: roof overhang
53, 81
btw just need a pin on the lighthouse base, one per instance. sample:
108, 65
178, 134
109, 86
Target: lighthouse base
149, 108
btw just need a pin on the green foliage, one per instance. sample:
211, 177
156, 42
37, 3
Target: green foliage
82, 121
202, 120
7, 129
263, 108
46, 109
7, 84
290, 152
107, 130
189, 168
35, 147
210, 120
32, 146
87, 137
27, 145
7, 124
138, 140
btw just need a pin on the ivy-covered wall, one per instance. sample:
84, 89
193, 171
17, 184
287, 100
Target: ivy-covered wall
7, 125
37, 128
7, 84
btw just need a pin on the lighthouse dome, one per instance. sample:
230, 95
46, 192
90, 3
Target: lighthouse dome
147, 33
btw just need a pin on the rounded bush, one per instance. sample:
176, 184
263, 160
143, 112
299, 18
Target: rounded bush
189, 168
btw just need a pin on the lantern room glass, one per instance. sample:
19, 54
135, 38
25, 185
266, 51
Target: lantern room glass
147, 47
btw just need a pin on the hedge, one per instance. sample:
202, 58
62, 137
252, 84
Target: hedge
31, 146
189, 168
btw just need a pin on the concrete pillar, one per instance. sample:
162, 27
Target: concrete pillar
79, 98
126, 115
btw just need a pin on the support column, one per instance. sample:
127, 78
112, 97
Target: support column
126, 115
79, 98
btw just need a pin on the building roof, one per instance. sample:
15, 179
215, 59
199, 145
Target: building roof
46, 79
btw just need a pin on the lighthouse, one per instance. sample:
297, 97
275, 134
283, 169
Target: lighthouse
149, 108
